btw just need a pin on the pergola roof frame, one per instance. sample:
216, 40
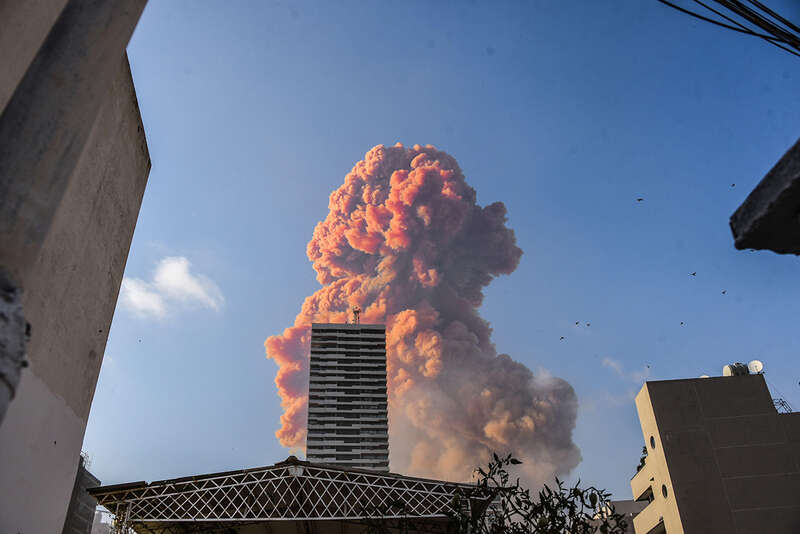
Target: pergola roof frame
292, 490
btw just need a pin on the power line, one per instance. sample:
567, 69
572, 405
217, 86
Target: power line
778, 30
732, 20
712, 21
762, 22
774, 15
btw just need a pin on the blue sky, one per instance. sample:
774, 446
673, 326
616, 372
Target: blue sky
565, 111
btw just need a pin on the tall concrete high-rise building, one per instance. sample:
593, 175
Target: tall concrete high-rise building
347, 411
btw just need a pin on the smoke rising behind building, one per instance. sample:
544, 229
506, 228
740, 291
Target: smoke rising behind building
405, 240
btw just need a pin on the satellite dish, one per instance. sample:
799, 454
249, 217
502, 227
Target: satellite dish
735, 369
755, 367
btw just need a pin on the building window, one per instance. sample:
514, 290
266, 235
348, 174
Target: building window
664, 490
652, 442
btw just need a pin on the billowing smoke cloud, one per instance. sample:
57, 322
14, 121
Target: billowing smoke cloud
406, 241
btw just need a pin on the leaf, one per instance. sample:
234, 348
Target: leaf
514, 461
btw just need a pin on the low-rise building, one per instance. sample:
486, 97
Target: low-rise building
720, 459
82, 506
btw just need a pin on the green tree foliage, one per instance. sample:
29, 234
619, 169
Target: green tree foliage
642, 459
499, 505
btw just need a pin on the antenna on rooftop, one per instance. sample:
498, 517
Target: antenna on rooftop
781, 405
356, 312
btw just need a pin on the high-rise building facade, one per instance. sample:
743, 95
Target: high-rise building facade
347, 404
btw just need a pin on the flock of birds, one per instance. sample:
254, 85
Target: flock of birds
693, 273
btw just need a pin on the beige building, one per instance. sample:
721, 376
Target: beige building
720, 459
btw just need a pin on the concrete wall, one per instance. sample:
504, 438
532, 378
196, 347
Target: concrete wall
69, 299
729, 461
628, 510
31, 21
46, 122
647, 483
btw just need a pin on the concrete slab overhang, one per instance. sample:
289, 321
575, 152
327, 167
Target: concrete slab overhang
641, 484
769, 218
651, 517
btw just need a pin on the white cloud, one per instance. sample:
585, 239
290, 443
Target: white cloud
137, 296
607, 399
613, 364
173, 283
637, 377
174, 280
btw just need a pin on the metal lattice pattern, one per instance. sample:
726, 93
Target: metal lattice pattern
289, 491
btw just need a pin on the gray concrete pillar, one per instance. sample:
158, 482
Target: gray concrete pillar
23, 28
73, 168
45, 124
44, 127
69, 300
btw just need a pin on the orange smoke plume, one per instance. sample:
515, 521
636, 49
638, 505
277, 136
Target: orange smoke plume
406, 241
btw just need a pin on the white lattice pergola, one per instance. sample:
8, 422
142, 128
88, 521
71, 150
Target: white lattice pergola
291, 496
